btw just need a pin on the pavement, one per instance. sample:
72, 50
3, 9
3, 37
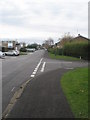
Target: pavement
42, 97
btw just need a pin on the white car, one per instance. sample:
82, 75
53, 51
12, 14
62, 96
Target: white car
2, 55
12, 53
17, 52
30, 49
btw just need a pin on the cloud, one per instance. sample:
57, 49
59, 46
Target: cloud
42, 18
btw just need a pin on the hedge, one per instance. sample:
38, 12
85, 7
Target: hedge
76, 50
73, 49
56, 51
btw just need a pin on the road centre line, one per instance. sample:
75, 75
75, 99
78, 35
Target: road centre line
59, 62
39, 64
12, 89
35, 70
43, 67
34, 73
32, 76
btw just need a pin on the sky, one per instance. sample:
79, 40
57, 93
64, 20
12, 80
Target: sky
37, 20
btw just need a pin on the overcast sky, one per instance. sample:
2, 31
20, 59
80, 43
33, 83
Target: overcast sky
37, 20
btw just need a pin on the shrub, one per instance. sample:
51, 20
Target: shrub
23, 49
56, 51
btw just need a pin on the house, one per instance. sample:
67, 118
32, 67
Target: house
78, 39
9, 45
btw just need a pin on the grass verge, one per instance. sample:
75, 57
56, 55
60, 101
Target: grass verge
75, 87
23, 53
53, 56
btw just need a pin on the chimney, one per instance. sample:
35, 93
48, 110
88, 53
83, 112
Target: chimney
78, 34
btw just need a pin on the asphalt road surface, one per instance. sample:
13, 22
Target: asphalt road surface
15, 71
43, 97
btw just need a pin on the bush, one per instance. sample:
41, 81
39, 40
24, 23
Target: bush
23, 49
56, 51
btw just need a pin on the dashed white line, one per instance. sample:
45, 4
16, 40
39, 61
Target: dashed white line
6, 115
43, 67
59, 62
35, 71
32, 75
12, 89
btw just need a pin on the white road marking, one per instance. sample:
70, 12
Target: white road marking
38, 64
36, 69
32, 75
12, 89
59, 62
43, 67
6, 115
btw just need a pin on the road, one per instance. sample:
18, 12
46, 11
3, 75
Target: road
17, 70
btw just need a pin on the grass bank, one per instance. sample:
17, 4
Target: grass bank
61, 57
75, 86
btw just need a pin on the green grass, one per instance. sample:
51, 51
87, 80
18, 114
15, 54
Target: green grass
63, 57
75, 86
23, 53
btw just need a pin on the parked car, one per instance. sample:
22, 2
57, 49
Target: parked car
17, 52
12, 52
2, 55
31, 49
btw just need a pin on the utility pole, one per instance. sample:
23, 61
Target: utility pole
89, 19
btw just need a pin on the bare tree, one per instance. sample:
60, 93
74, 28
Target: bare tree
67, 37
48, 43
